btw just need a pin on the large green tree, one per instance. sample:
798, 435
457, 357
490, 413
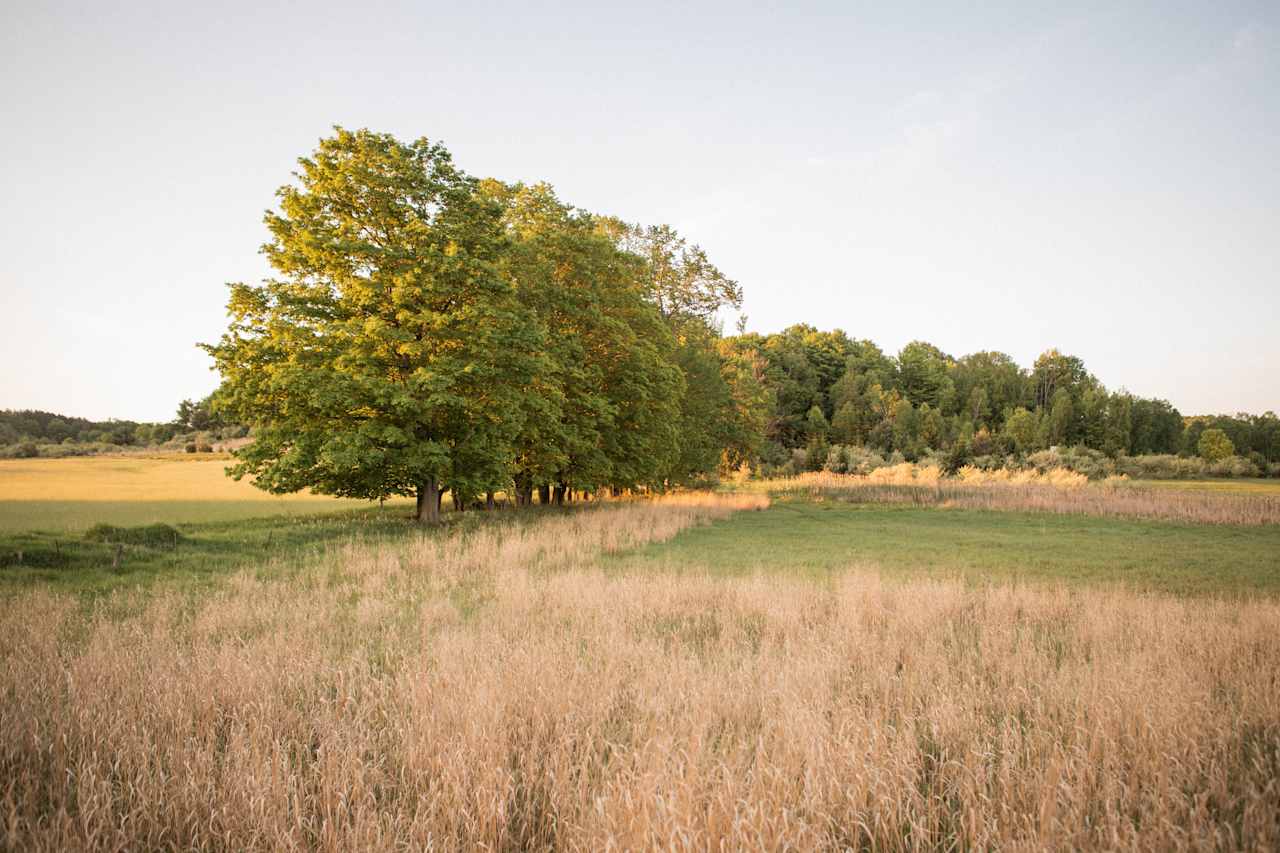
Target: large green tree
387, 356
690, 292
608, 407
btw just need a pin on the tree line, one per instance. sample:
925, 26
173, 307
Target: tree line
28, 433
426, 331
826, 388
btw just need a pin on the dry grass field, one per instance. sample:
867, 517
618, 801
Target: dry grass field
76, 493
1059, 491
495, 689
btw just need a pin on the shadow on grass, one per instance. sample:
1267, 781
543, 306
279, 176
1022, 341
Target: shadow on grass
108, 557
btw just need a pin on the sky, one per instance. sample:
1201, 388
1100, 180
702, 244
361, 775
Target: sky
1101, 178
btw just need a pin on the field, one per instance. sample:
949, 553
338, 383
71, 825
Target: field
1238, 486
979, 547
75, 494
770, 669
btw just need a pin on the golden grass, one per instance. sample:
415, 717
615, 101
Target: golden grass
1057, 491
131, 478
498, 690
1236, 486
76, 493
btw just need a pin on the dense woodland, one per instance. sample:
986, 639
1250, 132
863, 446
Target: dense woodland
426, 331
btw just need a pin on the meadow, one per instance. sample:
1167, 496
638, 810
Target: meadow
764, 668
821, 540
74, 494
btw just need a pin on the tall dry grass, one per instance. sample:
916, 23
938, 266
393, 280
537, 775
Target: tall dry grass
1056, 491
500, 691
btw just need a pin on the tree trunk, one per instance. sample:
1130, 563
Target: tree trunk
488, 500
428, 502
544, 494
557, 495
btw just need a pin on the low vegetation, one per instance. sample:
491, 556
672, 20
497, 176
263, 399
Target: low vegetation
72, 495
29, 434
497, 689
1056, 491
822, 540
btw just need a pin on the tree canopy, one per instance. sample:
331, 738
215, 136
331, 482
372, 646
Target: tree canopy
426, 331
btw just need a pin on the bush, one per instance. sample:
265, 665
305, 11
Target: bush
191, 447
797, 459
1160, 466
1045, 460
837, 460
205, 448
852, 459
151, 535
816, 455
1214, 446
1232, 466
957, 458
988, 461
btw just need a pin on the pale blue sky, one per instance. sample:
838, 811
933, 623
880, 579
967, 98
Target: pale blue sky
1103, 178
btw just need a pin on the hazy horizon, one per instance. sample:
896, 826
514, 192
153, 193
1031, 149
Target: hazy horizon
1101, 180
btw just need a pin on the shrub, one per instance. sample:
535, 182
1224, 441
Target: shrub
957, 458
205, 448
191, 447
151, 535
1214, 446
795, 464
851, 459
988, 461
837, 460
865, 460
1232, 466
1045, 460
1160, 466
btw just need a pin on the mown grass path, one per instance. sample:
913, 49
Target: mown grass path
799, 536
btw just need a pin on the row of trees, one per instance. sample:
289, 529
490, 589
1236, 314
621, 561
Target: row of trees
32, 428
427, 331
32, 433
827, 388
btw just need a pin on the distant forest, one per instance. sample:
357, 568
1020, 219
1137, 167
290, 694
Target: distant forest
31, 433
826, 388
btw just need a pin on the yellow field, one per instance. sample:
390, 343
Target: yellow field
73, 494
1239, 487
